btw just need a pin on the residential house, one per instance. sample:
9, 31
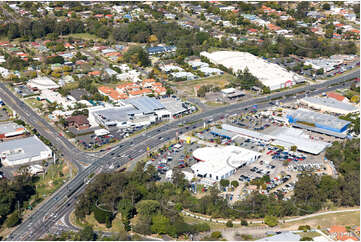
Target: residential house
340, 233
80, 122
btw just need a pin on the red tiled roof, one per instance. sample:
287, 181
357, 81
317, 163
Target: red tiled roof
337, 229
336, 96
94, 73
79, 119
105, 89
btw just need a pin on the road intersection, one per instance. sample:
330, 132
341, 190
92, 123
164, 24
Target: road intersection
62, 201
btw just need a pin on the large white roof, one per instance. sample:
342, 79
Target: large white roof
43, 83
270, 74
296, 137
221, 160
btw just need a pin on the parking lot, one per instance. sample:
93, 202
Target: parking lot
92, 141
177, 155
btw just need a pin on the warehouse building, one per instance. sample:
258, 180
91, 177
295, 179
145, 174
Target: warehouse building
329, 105
42, 83
135, 112
218, 163
271, 75
10, 130
175, 107
285, 137
317, 120
249, 134
22, 151
288, 137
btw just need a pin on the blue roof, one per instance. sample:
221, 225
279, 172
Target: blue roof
145, 104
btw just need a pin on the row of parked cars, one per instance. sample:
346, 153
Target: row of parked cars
281, 155
276, 182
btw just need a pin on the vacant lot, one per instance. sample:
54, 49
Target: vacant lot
34, 103
325, 221
188, 86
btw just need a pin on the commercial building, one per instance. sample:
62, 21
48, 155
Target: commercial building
120, 117
285, 137
249, 134
42, 83
22, 151
269, 74
288, 137
318, 120
10, 130
175, 107
232, 93
329, 105
218, 163
135, 112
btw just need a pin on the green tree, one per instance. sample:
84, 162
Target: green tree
13, 220
229, 223
306, 239
160, 224
235, 183
244, 222
270, 221
326, 6
147, 207
87, 234
224, 182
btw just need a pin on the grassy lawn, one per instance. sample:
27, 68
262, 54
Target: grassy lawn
55, 177
213, 225
219, 81
117, 225
309, 234
324, 221
214, 104
33, 102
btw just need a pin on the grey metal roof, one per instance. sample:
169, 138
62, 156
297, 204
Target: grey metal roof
119, 114
285, 236
294, 137
223, 132
172, 105
145, 104
246, 132
319, 130
23, 148
319, 118
9, 127
330, 102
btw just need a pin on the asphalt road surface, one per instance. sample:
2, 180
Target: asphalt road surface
64, 199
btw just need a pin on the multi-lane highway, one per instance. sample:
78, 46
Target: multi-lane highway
63, 200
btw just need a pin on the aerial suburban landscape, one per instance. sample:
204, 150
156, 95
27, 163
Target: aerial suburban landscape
171, 120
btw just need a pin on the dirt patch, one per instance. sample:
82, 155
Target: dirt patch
325, 221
